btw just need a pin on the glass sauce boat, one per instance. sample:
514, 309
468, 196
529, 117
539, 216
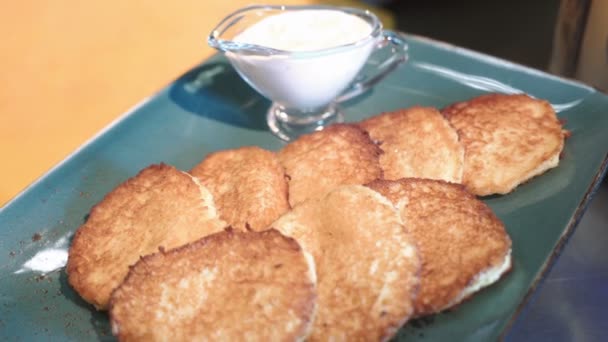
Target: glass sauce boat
306, 87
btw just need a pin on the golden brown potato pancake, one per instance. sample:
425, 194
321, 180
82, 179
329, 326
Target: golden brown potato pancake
508, 139
228, 286
248, 184
367, 264
159, 207
463, 246
318, 162
417, 142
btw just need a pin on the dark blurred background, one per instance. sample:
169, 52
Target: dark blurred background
517, 30
564, 37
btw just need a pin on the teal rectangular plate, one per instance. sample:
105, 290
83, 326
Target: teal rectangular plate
210, 108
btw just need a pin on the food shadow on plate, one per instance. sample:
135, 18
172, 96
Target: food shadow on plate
216, 91
99, 319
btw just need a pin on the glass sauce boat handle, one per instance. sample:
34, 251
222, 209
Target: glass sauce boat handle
398, 55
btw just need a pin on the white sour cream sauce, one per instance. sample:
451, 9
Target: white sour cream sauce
304, 81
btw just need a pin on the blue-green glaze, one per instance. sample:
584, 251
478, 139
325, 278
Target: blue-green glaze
211, 108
